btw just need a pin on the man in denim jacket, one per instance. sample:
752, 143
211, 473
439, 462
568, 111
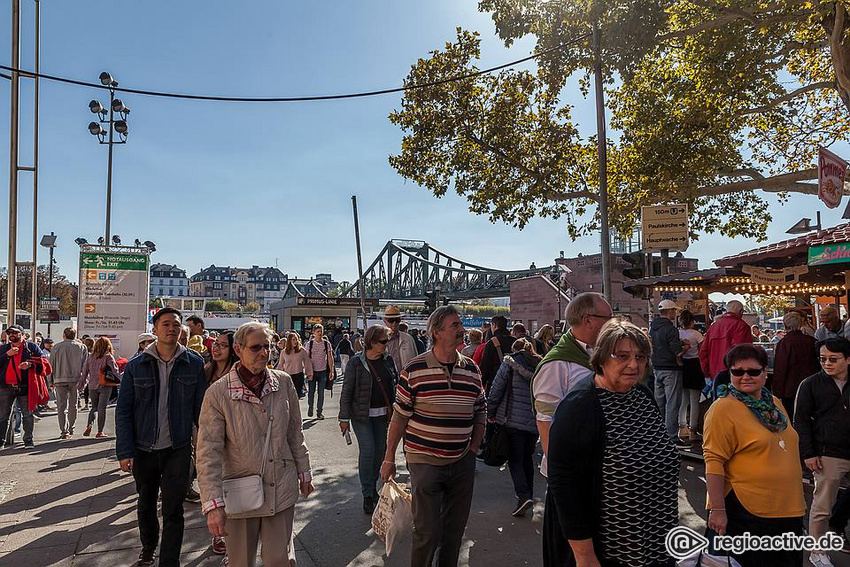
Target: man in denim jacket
159, 402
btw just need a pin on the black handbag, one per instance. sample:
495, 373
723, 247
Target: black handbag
497, 448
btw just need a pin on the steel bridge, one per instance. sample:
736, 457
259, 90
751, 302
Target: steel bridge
415, 270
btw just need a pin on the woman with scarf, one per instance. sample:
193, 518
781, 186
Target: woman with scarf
509, 405
751, 456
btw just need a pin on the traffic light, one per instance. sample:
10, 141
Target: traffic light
431, 301
637, 261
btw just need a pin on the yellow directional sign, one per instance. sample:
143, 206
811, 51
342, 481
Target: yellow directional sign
664, 227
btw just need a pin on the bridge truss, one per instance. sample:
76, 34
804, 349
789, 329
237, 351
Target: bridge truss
411, 270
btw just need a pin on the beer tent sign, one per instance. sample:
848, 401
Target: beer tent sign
831, 173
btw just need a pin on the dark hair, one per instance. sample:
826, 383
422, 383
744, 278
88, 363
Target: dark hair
195, 319
209, 367
167, 311
499, 321
746, 352
836, 344
686, 318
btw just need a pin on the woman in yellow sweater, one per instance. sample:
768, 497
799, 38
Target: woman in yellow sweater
752, 461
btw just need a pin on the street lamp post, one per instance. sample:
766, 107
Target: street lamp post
49, 241
107, 136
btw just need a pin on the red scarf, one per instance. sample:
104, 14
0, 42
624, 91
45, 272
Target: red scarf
13, 374
253, 382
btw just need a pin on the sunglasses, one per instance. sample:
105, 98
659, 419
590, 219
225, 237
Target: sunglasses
749, 371
393, 319
384, 341
829, 359
258, 348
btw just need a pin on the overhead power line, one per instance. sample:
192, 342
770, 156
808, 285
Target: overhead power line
365, 94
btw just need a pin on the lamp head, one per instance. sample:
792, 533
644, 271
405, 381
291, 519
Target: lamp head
137, 243
107, 81
96, 107
100, 240
116, 239
80, 241
150, 245
118, 106
48, 240
94, 128
121, 126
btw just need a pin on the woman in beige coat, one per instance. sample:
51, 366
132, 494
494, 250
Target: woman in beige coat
231, 433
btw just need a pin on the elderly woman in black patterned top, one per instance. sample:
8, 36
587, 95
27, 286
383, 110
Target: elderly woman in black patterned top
607, 438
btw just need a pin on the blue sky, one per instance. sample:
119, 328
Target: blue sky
258, 184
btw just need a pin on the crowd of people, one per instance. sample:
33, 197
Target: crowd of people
610, 404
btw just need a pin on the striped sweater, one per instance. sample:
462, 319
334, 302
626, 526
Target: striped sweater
441, 408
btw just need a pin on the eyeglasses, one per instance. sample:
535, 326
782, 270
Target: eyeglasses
258, 348
749, 371
623, 358
830, 359
393, 319
221, 345
384, 341
606, 317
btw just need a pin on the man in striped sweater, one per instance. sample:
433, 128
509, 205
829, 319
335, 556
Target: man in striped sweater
440, 412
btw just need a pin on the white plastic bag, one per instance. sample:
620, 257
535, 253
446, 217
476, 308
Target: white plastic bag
393, 516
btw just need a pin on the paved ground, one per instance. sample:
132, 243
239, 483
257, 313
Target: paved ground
66, 503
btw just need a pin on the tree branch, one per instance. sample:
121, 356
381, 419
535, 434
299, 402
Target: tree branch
789, 96
777, 184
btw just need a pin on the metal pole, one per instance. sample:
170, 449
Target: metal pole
109, 170
607, 286
50, 282
665, 262
359, 261
35, 176
12, 272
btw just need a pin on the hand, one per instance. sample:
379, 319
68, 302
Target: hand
216, 519
587, 561
14, 351
126, 465
717, 521
814, 464
387, 470
474, 448
306, 488
24, 365
344, 426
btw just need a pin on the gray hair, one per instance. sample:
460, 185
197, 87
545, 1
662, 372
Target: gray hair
793, 321
438, 318
613, 332
581, 306
245, 329
374, 334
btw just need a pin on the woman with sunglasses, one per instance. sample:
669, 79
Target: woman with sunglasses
613, 470
368, 393
295, 361
752, 461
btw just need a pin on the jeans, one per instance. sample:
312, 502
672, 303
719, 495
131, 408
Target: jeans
690, 399
166, 470
320, 377
8, 396
298, 382
668, 396
99, 399
371, 433
520, 461
66, 402
442, 496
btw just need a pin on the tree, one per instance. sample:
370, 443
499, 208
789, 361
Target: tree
710, 100
252, 307
220, 305
62, 288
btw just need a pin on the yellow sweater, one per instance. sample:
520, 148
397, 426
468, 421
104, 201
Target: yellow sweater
767, 479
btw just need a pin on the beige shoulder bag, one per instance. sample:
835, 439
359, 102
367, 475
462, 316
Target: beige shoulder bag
245, 494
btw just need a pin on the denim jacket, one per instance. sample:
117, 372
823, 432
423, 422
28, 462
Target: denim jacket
136, 416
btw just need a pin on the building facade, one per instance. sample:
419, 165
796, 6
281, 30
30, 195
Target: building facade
263, 286
168, 280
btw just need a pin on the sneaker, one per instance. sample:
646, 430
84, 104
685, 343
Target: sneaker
100, 435
29, 445
820, 560
70, 431
63, 435
309, 412
218, 545
146, 558
320, 416
522, 508
192, 495
87, 432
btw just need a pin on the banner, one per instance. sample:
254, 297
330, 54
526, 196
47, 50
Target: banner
829, 254
48, 310
762, 276
831, 172
113, 299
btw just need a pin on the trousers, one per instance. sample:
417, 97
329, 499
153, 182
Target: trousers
99, 399
668, 396
371, 433
7, 399
66, 403
275, 532
827, 483
320, 377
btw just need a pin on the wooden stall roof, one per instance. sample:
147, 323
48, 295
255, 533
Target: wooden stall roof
704, 278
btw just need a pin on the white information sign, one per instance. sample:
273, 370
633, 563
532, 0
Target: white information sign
664, 227
113, 299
